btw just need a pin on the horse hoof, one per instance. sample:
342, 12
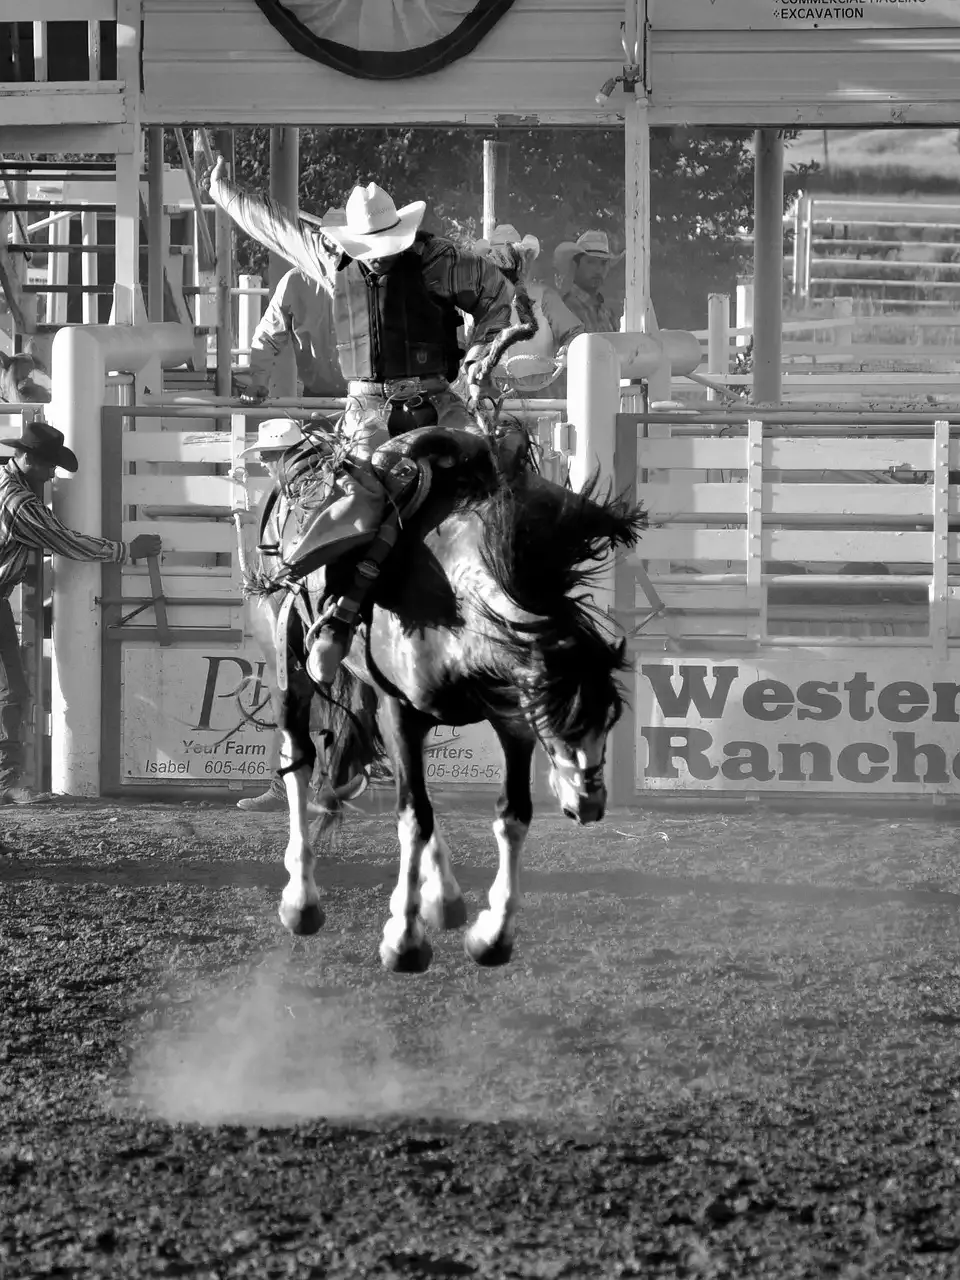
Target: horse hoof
412, 960
444, 913
302, 920
489, 955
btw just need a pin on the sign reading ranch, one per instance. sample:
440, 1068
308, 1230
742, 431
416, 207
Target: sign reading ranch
883, 722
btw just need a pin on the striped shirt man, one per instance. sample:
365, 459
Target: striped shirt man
27, 525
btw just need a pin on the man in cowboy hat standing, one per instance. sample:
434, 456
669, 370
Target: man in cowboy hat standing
590, 259
395, 292
299, 313
27, 525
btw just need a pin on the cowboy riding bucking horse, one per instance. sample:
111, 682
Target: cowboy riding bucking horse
396, 291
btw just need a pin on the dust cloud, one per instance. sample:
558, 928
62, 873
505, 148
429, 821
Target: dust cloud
272, 1050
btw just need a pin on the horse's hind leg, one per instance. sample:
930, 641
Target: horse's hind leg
489, 940
405, 947
441, 899
300, 903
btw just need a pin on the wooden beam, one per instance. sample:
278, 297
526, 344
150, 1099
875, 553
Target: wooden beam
768, 267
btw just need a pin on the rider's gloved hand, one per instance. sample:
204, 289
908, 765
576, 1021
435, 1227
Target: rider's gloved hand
205, 175
253, 395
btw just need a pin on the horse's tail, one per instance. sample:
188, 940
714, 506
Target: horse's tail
347, 722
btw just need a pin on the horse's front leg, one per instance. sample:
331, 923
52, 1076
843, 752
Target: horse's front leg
441, 898
300, 903
489, 940
405, 947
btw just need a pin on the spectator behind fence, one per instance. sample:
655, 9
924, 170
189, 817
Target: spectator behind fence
589, 260
26, 525
300, 312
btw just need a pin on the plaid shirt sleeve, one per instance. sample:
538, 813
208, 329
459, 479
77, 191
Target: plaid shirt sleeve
472, 283
281, 230
34, 525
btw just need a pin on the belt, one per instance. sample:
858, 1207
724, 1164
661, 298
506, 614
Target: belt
396, 388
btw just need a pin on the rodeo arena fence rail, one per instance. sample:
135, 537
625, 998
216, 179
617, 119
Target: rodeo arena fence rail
789, 609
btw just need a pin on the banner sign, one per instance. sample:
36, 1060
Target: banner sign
194, 715
882, 722
381, 40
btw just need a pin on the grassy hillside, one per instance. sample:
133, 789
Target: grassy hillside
880, 161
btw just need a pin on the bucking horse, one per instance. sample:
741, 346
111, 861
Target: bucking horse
481, 612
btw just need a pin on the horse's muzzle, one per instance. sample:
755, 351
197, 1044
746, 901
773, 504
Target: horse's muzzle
586, 810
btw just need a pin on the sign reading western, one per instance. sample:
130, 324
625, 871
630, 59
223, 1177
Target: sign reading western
884, 721
192, 715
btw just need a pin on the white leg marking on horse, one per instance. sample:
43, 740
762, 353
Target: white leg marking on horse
499, 923
441, 899
404, 932
301, 889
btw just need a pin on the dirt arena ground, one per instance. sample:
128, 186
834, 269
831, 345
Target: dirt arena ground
727, 1046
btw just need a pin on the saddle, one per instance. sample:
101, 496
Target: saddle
327, 504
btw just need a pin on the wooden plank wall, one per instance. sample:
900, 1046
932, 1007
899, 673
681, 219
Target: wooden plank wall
220, 61
739, 62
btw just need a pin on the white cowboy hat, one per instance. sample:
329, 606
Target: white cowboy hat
592, 244
373, 226
275, 434
507, 233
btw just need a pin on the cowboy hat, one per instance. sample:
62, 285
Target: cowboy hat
507, 233
373, 226
46, 444
592, 244
275, 435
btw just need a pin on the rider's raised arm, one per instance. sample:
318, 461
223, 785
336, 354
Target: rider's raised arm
307, 247
472, 283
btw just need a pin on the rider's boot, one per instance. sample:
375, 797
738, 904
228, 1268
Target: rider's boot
335, 633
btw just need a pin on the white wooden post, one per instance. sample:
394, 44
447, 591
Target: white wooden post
744, 318
58, 235
249, 306
128, 164
39, 52
89, 268
718, 337
637, 182
489, 216
593, 402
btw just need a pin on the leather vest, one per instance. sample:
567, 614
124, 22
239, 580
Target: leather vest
391, 326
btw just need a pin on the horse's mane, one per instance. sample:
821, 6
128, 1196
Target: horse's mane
544, 547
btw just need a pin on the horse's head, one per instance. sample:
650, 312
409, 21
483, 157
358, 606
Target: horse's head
573, 704
24, 379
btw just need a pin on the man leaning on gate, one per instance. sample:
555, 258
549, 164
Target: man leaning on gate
395, 292
27, 525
